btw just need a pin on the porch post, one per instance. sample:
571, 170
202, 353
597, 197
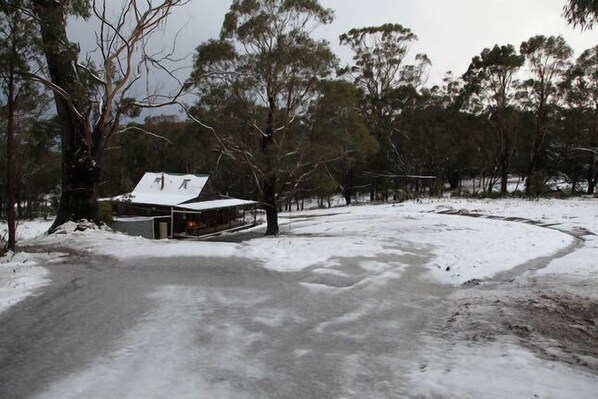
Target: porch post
171, 222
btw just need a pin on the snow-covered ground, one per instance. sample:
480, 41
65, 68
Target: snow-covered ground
520, 338
577, 216
471, 370
28, 229
20, 274
463, 248
503, 235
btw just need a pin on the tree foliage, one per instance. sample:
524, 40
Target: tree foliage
270, 122
548, 61
580, 126
390, 83
582, 13
91, 101
340, 131
491, 76
266, 63
18, 56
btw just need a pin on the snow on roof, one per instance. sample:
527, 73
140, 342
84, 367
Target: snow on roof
154, 199
171, 184
138, 218
167, 189
170, 189
216, 204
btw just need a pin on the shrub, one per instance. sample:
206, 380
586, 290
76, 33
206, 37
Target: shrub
105, 211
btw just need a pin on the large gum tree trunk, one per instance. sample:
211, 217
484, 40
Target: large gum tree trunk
269, 182
270, 204
80, 164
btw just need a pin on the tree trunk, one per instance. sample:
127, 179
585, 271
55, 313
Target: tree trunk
454, 179
536, 146
10, 166
347, 195
80, 160
593, 170
270, 205
18, 202
504, 164
11, 105
592, 177
503, 142
348, 186
504, 176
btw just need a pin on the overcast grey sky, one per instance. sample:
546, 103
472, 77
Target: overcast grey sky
451, 32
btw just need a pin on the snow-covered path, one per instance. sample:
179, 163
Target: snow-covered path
224, 329
353, 302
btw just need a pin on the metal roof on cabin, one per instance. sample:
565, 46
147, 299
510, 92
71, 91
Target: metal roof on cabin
177, 188
179, 191
216, 204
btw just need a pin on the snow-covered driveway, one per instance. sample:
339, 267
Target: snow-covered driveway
352, 302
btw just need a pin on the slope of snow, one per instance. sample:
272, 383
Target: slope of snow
461, 248
20, 276
578, 216
27, 229
380, 239
458, 249
498, 370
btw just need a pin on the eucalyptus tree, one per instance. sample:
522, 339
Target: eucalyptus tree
18, 94
266, 61
548, 61
582, 13
582, 98
340, 131
380, 66
390, 81
93, 96
442, 140
491, 77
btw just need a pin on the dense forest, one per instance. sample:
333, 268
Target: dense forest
272, 114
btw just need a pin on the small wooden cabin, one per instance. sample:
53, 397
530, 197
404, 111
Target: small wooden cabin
169, 205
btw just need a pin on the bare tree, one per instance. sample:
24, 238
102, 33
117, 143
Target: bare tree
93, 96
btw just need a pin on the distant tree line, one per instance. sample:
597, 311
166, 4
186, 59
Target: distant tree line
275, 116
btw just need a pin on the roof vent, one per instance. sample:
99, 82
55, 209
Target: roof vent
184, 184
